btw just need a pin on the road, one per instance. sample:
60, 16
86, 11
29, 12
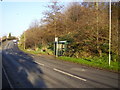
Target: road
29, 71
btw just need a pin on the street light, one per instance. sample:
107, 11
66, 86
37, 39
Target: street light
109, 32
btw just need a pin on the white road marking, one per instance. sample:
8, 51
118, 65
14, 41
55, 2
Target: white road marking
78, 69
69, 74
33, 56
7, 78
39, 63
83, 70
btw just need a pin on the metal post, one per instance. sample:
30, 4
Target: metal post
57, 49
56, 46
109, 32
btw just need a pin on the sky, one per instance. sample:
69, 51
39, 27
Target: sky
16, 16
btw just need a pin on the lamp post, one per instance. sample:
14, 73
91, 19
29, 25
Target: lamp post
109, 32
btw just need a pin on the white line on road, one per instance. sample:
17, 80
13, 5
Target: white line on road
69, 74
7, 78
39, 63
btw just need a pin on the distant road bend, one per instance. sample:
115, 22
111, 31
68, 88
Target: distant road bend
23, 70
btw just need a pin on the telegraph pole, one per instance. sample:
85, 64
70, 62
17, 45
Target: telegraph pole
97, 33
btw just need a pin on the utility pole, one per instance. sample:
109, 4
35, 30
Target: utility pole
109, 32
97, 33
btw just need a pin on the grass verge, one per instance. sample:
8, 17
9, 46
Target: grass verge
96, 62
31, 51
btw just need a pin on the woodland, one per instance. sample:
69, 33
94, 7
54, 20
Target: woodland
85, 25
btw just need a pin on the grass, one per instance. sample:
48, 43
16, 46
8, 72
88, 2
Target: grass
96, 62
33, 51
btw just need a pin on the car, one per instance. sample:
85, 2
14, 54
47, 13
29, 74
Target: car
15, 41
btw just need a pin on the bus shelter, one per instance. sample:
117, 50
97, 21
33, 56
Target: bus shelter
60, 47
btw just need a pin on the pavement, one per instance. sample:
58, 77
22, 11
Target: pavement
29, 71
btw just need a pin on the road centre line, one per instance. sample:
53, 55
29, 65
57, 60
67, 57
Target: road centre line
39, 63
7, 78
63, 72
69, 74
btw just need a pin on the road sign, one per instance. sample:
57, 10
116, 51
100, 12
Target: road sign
56, 39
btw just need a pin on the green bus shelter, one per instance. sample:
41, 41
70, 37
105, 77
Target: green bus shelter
60, 47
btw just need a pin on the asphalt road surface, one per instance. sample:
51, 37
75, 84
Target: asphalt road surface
21, 70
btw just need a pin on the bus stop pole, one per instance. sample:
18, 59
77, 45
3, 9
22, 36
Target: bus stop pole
56, 46
57, 49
